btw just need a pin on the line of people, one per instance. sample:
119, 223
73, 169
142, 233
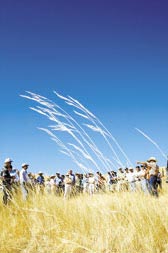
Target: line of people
145, 177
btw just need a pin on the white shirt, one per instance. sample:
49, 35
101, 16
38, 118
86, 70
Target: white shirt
120, 175
141, 174
57, 181
91, 180
131, 177
109, 179
153, 169
52, 182
23, 176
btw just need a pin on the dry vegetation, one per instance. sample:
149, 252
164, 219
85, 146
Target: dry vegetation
104, 223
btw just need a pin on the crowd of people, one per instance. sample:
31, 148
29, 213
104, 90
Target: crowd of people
146, 177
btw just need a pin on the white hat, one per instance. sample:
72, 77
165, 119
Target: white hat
40, 172
25, 165
8, 160
152, 159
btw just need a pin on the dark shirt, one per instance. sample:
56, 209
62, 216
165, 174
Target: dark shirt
6, 177
40, 180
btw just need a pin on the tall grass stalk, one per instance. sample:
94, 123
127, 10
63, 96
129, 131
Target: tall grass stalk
104, 223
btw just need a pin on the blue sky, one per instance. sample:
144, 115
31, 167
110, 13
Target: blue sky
110, 55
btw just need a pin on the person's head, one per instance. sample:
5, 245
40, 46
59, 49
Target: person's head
40, 173
81, 176
8, 163
138, 168
131, 170
90, 174
70, 172
143, 167
25, 166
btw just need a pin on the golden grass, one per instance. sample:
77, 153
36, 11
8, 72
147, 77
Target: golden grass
103, 223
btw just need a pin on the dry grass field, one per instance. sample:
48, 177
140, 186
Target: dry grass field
103, 223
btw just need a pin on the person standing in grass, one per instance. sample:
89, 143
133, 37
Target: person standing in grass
131, 178
77, 183
59, 183
7, 180
152, 171
24, 180
109, 181
120, 180
138, 178
53, 184
68, 186
91, 181
40, 179
40, 182
125, 179
85, 183
142, 176
72, 177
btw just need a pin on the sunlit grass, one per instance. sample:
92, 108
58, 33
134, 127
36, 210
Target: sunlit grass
103, 223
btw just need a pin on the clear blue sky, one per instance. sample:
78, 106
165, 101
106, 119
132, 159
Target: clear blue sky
110, 55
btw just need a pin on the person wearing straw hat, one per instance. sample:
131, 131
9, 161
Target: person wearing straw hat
7, 180
152, 172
